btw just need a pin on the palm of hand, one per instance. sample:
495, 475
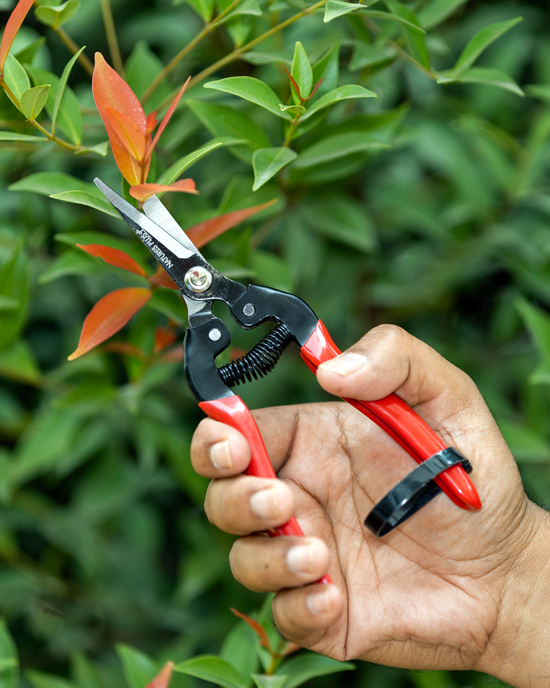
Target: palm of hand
428, 594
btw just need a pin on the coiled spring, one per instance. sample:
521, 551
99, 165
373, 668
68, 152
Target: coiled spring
260, 360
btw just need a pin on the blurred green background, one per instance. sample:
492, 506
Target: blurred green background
103, 539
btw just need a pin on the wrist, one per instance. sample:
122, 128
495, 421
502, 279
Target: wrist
518, 649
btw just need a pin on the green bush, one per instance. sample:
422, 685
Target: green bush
425, 206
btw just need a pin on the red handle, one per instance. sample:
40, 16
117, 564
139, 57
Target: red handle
400, 422
233, 411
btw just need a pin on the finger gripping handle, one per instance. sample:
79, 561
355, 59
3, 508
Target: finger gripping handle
400, 422
234, 412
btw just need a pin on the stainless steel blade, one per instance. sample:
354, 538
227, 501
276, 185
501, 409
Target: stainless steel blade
148, 226
157, 211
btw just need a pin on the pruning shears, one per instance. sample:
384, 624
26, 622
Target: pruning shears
441, 468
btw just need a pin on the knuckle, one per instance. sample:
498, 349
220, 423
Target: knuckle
390, 335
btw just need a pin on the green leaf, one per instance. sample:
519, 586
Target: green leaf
526, 444
99, 148
341, 220
413, 31
23, 138
268, 161
370, 55
14, 284
250, 89
33, 100
18, 362
338, 146
263, 681
412, 26
213, 669
304, 667
48, 183
327, 69
336, 8
61, 87
541, 91
272, 271
435, 13
7, 303
56, 16
222, 120
177, 169
337, 95
480, 42
301, 73
44, 442
87, 199
69, 118
139, 669
141, 69
293, 109
259, 58
204, 8
247, 7
16, 77
538, 324
27, 55
8, 653
239, 648
39, 679
481, 75
70, 263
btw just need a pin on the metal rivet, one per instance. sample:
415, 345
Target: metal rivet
249, 310
198, 279
214, 335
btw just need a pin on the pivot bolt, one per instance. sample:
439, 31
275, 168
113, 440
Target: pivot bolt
249, 310
214, 335
198, 279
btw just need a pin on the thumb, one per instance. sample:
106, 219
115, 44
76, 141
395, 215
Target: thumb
388, 359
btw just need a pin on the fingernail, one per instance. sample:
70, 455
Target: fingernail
220, 455
301, 559
319, 602
345, 364
265, 503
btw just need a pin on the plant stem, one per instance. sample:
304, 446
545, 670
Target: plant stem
207, 28
290, 132
36, 125
231, 57
111, 35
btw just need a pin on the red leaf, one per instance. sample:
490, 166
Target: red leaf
151, 121
163, 338
129, 134
127, 349
162, 679
108, 316
205, 231
167, 117
12, 27
293, 83
315, 88
174, 355
143, 191
255, 626
115, 257
162, 279
111, 91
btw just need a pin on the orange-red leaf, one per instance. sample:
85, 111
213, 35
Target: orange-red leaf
115, 257
162, 679
162, 279
167, 117
143, 191
127, 349
151, 121
315, 89
293, 82
12, 27
129, 134
111, 91
205, 231
163, 338
255, 626
108, 316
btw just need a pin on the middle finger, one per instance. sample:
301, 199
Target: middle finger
246, 504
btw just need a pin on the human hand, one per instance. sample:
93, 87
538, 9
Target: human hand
444, 589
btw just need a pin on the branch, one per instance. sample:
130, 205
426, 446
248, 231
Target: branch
111, 36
